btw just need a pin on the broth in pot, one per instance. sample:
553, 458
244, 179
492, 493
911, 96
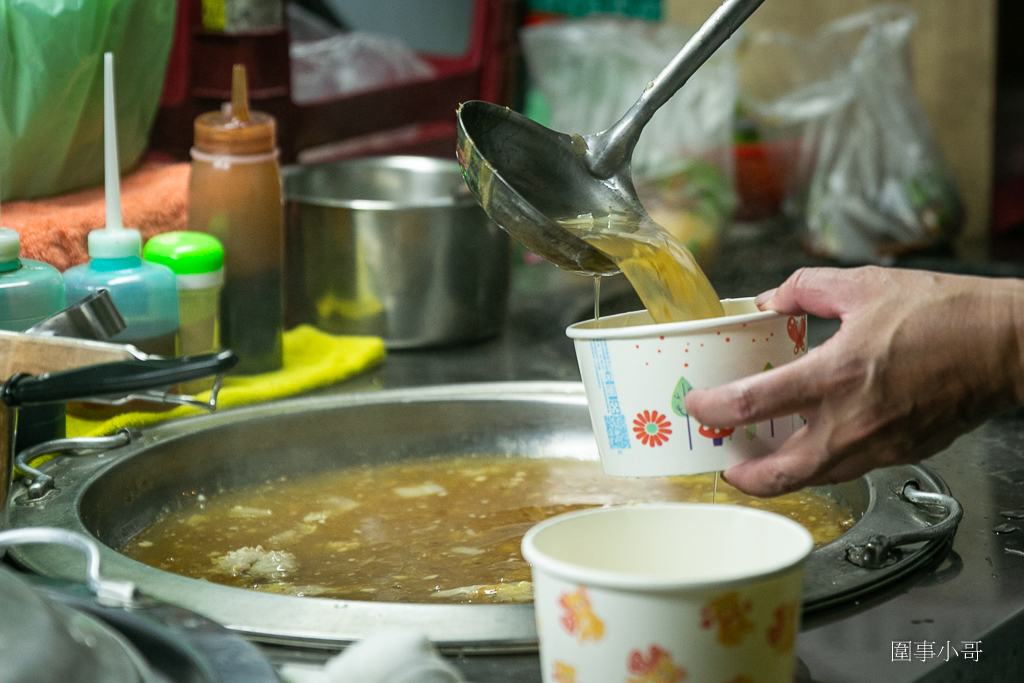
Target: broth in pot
431, 530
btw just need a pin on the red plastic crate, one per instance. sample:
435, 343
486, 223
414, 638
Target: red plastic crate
199, 80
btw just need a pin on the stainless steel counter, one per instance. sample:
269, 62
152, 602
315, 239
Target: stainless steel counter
975, 594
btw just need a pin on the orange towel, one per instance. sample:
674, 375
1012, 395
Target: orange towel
154, 199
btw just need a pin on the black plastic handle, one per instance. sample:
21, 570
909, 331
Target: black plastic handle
113, 379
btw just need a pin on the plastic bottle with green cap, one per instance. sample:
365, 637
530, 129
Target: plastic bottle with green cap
145, 293
197, 260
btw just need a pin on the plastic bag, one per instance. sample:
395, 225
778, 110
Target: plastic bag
51, 87
867, 174
329, 63
590, 71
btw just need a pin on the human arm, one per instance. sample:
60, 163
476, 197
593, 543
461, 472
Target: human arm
919, 359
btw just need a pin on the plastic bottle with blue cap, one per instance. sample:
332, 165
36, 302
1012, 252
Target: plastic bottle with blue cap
145, 293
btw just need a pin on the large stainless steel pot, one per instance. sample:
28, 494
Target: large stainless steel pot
395, 247
116, 496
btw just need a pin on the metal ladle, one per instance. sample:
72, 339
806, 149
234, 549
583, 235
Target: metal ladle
526, 176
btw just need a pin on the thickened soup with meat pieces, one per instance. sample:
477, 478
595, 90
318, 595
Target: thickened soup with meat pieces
431, 530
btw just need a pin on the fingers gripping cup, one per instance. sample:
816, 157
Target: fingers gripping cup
667, 593
637, 374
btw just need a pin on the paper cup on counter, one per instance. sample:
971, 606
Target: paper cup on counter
667, 592
637, 373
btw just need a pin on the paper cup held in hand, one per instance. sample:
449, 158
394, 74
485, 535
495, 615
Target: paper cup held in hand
637, 374
667, 592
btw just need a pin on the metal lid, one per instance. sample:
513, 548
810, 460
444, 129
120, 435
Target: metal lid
41, 641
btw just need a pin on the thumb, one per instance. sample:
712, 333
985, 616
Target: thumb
824, 292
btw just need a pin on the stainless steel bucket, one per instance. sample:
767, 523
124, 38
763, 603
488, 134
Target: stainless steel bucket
395, 247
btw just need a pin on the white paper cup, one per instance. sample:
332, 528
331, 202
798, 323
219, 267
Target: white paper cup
667, 592
637, 373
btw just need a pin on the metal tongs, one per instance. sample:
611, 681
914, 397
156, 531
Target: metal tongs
147, 378
95, 317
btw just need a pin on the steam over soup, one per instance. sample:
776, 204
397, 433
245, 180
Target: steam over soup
443, 529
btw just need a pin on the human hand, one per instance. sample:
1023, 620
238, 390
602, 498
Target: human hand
919, 359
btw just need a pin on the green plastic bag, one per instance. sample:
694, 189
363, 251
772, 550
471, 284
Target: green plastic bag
51, 88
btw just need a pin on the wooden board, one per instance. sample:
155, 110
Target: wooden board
36, 355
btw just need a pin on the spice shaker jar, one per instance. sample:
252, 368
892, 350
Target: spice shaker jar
197, 260
235, 195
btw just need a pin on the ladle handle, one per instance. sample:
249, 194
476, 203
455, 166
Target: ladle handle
117, 592
620, 139
110, 379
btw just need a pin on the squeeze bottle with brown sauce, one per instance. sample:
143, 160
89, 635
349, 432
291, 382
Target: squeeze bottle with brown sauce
235, 194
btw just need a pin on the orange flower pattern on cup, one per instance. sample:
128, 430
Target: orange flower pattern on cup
563, 673
652, 428
782, 632
578, 616
656, 667
730, 614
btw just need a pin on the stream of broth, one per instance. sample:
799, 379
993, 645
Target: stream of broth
431, 530
661, 269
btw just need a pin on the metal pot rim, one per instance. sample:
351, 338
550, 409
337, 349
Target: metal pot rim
404, 162
327, 623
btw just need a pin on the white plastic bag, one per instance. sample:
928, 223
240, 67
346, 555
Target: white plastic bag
590, 71
328, 63
869, 179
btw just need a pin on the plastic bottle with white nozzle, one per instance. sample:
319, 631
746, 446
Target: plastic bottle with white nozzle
145, 293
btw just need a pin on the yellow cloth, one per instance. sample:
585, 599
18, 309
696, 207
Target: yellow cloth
312, 359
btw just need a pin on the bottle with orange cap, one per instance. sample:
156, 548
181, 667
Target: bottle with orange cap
235, 194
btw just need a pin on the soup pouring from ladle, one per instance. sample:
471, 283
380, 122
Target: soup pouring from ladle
527, 177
